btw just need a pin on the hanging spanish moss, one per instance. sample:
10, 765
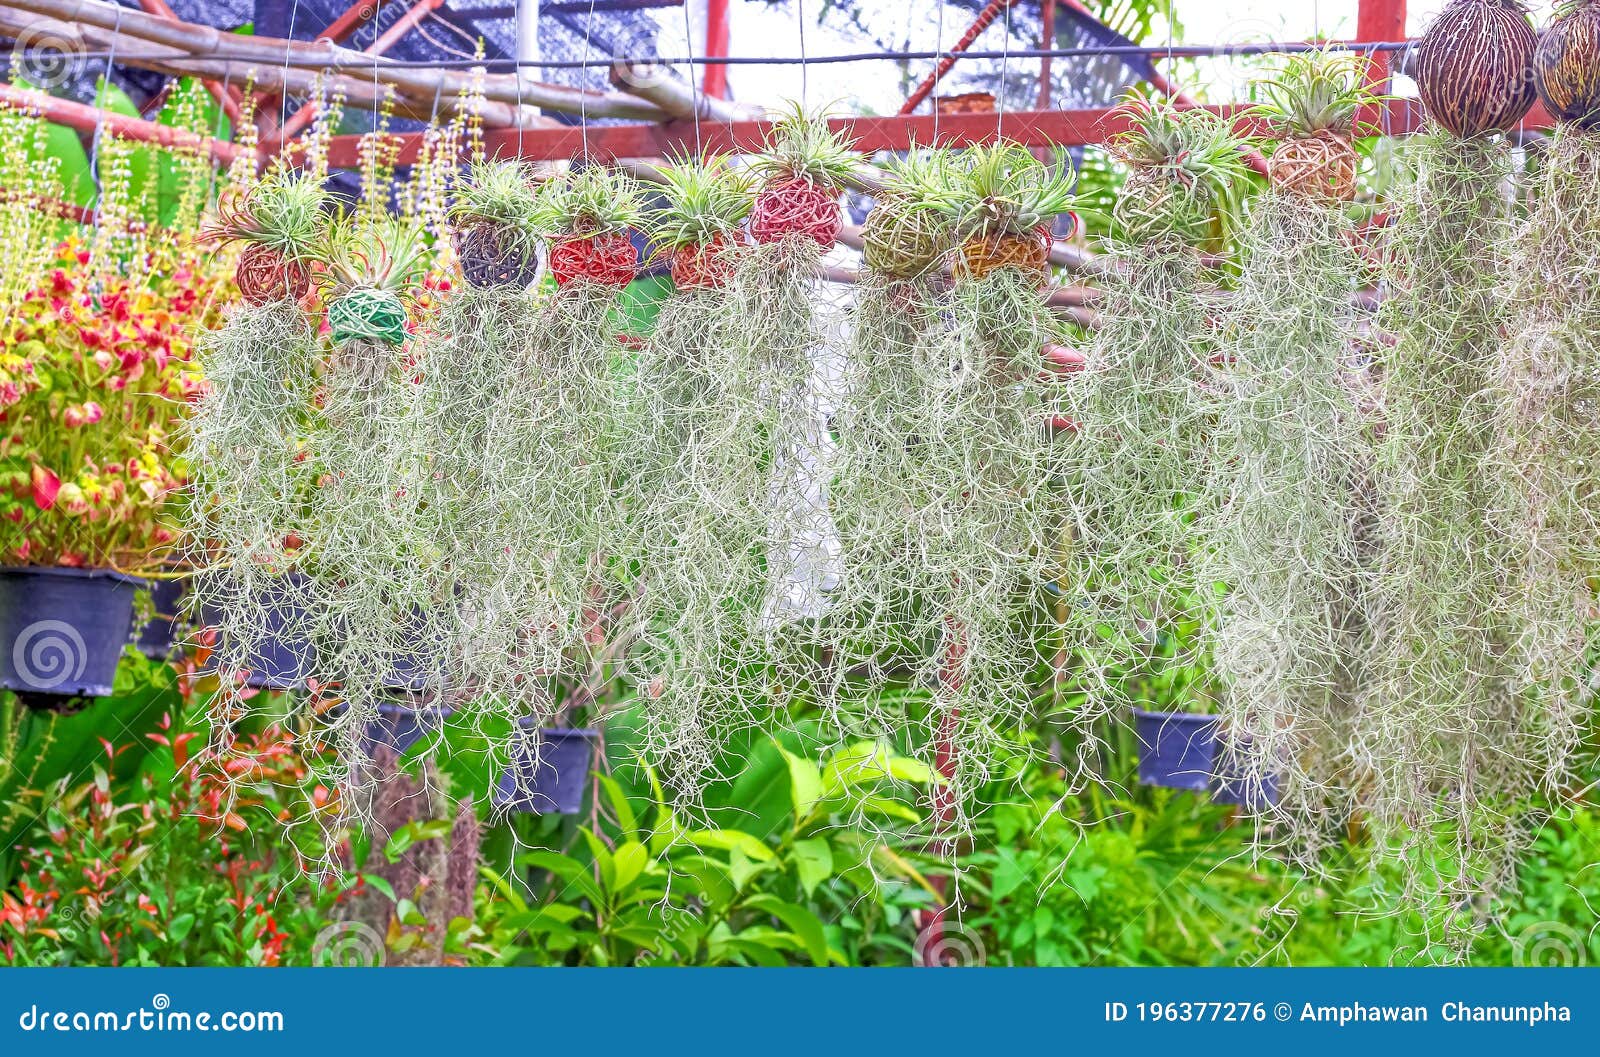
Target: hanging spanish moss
1136, 470
1289, 525
1438, 733
1549, 457
1288, 530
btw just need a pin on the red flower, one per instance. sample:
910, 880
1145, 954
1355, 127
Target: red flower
45, 487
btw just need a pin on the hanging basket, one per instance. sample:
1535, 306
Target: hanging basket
62, 631
606, 260
263, 276
554, 784
1177, 750
797, 208
491, 256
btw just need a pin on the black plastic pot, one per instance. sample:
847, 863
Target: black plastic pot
62, 631
555, 785
284, 656
159, 635
400, 726
1177, 750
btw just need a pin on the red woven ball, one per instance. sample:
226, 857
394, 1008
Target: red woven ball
264, 277
703, 265
795, 207
609, 260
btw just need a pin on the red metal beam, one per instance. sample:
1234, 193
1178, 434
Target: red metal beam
354, 17
714, 81
1031, 128
88, 119
1377, 22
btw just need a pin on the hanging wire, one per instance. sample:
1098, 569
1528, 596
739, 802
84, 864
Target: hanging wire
695, 91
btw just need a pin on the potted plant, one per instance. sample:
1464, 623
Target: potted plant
92, 382
548, 769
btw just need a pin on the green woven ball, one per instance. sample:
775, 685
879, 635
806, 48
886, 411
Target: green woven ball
368, 314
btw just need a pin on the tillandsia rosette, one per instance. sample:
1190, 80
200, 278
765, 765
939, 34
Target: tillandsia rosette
1006, 201
1475, 66
910, 229
1311, 104
494, 213
1186, 174
699, 225
370, 275
803, 168
589, 214
95, 380
1566, 64
279, 219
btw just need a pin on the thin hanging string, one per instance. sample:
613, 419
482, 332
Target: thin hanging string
583, 97
288, 51
102, 93
938, 45
1005, 62
516, 50
696, 93
800, 17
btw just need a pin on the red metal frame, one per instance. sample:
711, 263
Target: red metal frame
1032, 128
714, 81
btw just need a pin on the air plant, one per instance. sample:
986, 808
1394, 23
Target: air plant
1135, 471
1566, 64
1547, 458
979, 515
279, 220
588, 214
1475, 64
246, 442
781, 342
1439, 726
1288, 527
370, 554
695, 484
1186, 179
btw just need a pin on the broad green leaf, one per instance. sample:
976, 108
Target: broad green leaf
603, 859
630, 860
802, 922
627, 821
729, 839
180, 927
813, 862
805, 785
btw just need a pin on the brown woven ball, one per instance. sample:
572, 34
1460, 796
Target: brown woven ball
263, 276
1028, 253
1321, 168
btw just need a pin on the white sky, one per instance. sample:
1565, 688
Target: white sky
762, 29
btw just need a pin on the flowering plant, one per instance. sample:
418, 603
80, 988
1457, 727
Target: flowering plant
95, 371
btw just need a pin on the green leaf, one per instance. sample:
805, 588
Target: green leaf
603, 859
627, 820
813, 862
729, 839
179, 927
1009, 875
630, 859
805, 785
412, 832
806, 926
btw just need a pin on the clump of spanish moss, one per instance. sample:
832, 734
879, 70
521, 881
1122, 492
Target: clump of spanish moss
1288, 526
1548, 456
1438, 740
1136, 471
1289, 521
696, 488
